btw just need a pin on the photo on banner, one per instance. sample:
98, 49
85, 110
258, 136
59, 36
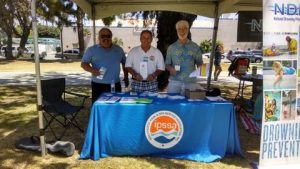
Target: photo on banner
280, 45
280, 74
280, 135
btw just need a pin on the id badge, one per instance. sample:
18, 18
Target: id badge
177, 67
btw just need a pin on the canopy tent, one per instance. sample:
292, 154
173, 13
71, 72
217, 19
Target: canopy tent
98, 9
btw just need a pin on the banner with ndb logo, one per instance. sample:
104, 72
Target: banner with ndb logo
280, 137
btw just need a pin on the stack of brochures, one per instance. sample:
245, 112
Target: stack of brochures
128, 99
217, 98
108, 99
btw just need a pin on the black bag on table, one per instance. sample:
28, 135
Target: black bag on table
213, 92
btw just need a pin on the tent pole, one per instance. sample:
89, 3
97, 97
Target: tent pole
214, 39
38, 77
94, 23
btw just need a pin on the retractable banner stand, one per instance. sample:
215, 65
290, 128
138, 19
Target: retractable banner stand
280, 138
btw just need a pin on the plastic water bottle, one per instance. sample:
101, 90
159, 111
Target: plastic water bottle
112, 87
123, 88
182, 92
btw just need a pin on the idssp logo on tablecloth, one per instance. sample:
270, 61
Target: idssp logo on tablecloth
164, 129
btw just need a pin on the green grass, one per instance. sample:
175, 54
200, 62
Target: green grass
18, 118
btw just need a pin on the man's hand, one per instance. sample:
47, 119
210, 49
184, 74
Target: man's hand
138, 77
172, 71
95, 72
126, 81
150, 77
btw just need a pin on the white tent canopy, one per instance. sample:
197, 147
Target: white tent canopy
105, 8
98, 9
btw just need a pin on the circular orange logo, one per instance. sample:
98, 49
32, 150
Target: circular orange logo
164, 129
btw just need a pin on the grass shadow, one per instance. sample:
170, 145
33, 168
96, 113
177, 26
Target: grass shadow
18, 118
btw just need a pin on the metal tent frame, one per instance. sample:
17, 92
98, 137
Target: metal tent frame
98, 9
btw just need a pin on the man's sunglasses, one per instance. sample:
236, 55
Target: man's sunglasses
105, 36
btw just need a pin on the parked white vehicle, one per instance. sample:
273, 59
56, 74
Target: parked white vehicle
42, 51
69, 54
14, 50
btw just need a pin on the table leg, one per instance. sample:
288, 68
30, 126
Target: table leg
238, 94
243, 86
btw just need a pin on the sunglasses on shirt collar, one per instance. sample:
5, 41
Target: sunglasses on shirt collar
105, 36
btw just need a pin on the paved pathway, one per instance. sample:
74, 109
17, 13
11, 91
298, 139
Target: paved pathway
29, 78
78, 78
74, 78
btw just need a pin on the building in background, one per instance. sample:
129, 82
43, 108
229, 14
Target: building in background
129, 34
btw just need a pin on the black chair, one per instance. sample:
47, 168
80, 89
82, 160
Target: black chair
56, 108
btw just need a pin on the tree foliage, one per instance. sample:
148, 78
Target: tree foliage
14, 13
7, 23
117, 41
48, 31
206, 45
108, 20
86, 32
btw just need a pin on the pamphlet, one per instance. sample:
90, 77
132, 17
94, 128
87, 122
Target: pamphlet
195, 73
128, 99
144, 70
217, 98
102, 71
143, 100
102, 99
113, 99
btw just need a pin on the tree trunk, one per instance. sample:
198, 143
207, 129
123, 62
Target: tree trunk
8, 51
24, 38
61, 43
80, 16
166, 34
23, 41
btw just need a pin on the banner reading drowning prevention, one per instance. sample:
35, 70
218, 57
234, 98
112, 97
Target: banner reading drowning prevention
280, 139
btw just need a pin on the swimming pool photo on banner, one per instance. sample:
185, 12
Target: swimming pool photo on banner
280, 45
288, 110
280, 74
272, 105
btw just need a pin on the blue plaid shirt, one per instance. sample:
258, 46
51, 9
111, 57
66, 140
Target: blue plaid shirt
187, 56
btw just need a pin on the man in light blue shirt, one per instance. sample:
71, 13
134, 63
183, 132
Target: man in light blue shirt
103, 62
182, 56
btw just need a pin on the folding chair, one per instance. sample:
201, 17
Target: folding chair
55, 106
239, 66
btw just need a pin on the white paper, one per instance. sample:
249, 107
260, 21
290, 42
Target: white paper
195, 73
176, 97
102, 71
102, 99
144, 70
217, 98
177, 67
113, 99
128, 99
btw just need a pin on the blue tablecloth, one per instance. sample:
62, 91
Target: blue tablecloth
209, 130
